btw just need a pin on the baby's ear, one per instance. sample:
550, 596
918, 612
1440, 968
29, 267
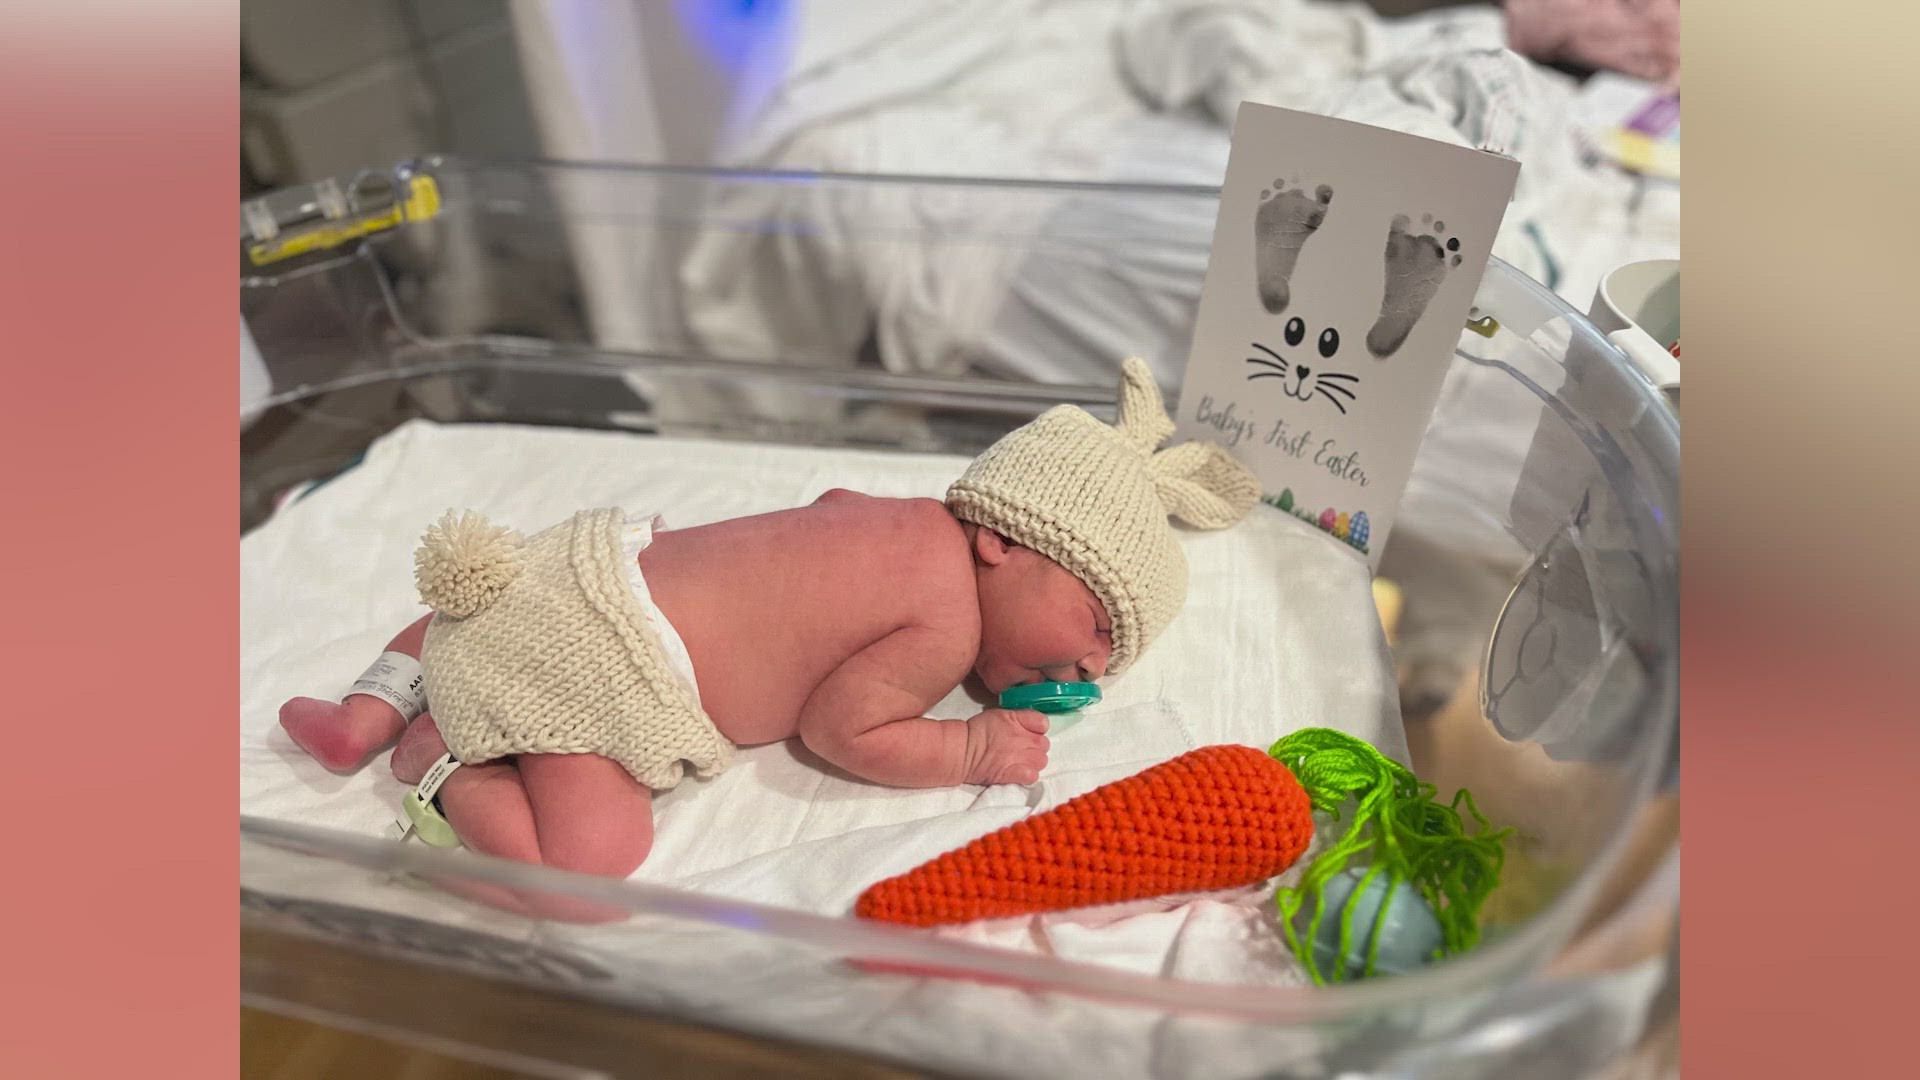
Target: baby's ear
990, 547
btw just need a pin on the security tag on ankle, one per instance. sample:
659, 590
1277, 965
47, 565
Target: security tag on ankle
396, 679
423, 817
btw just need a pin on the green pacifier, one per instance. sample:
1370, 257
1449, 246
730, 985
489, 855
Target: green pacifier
1050, 697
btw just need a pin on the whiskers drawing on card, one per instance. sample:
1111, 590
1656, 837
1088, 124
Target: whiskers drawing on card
1304, 383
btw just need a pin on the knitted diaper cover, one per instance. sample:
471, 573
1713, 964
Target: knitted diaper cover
553, 645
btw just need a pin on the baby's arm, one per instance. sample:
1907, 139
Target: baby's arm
866, 718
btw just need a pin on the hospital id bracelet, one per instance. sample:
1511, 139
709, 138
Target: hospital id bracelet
396, 679
426, 820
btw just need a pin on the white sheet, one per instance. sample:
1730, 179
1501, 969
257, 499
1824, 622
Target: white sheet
1279, 633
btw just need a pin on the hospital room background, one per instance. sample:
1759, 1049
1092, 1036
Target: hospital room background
882, 204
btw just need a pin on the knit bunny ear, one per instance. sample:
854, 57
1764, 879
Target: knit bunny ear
1203, 485
1143, 413
1198, 482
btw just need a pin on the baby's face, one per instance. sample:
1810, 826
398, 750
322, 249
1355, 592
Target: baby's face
1038, 623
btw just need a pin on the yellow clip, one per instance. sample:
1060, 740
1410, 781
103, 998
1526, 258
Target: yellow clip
1486, 326
1638, 153
423, 202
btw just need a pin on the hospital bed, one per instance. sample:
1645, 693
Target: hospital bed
429, 337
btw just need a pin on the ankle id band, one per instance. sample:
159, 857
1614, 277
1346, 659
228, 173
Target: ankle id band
396, 679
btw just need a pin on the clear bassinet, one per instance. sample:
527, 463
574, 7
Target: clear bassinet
592, 297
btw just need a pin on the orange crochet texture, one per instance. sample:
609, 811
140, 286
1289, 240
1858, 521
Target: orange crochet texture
1214, 818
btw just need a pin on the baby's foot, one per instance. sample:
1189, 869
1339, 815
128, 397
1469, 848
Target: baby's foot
1416, 265
419, 748
340, 735
1286, 217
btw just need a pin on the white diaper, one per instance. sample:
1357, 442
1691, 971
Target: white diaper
640, 530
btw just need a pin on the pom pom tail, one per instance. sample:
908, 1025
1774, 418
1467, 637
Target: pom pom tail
464, 563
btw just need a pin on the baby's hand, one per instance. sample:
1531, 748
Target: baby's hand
1006, 746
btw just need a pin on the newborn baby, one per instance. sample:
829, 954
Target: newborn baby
560, 669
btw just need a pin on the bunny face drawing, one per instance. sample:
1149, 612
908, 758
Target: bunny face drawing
1303, 380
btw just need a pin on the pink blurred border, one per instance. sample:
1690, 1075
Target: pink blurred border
118, 183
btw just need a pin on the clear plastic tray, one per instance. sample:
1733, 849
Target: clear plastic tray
613, 298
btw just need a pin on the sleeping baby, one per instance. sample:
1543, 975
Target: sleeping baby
570, 674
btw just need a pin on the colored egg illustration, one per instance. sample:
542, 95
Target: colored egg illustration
1286, 499
1409, 936
1359, 530
1340, 525
1326, 519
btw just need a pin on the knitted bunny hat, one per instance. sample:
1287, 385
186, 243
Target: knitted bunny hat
1096, 500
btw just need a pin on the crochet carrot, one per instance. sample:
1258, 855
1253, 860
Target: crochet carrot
1214, 818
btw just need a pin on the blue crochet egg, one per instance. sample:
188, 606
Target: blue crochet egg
1408, 939
1357, 530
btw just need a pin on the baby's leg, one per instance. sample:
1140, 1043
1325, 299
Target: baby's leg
487, 806
417, 750
593, 817
488, 809
579, 812
341, 735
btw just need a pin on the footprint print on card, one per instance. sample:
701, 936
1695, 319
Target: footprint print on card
1287, 217
1418, 262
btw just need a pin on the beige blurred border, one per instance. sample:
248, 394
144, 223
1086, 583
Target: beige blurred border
1800, 293
1801, 595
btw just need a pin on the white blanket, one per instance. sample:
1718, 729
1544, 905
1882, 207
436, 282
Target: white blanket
1279, 633
1093, 90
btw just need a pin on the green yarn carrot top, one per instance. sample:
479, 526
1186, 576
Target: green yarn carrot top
1401, 834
